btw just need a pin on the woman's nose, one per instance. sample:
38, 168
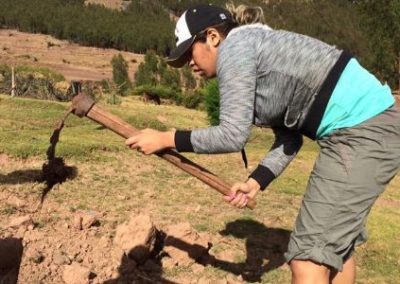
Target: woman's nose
191, 63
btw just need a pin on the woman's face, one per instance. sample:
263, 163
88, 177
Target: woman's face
204, 55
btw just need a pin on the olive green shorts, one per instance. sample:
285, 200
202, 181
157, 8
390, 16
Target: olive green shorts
353, 168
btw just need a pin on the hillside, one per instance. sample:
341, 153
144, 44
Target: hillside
73, 61
364, 28
112, 4
69, 229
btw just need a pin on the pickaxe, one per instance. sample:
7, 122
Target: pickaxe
83, 105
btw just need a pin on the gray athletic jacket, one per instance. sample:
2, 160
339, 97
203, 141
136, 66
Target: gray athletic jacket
269, 78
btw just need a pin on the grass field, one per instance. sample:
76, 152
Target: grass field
117, 181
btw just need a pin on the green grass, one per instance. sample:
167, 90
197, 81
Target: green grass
27, 124
118, 181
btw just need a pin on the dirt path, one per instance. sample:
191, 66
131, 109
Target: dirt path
75, 62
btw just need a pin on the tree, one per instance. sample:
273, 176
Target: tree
120, 74
147, 73
382, 22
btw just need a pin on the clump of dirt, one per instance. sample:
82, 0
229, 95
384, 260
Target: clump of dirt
55, 171
76, 274
184, 245
148, 250
141, 240
137, 238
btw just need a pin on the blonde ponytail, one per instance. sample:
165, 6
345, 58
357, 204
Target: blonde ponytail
244, 15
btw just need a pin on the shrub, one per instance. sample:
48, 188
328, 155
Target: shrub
190, 81
211, 100
192, 99
162, 91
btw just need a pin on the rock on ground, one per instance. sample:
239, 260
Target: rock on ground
76, 274
184, 245
137, 238
21, 221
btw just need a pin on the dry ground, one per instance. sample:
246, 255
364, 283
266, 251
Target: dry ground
114, 183
75, 62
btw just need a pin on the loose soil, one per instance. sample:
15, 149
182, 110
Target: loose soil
55, 171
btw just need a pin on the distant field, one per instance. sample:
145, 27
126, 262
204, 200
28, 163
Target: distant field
75, 62
118, 182
112, 4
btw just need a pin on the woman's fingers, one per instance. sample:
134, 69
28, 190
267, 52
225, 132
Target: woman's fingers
135, 143
131, 141
238, 199
238, 195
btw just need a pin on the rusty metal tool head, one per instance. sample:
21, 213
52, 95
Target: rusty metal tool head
81, 104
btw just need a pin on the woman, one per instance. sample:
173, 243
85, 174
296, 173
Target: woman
298, 86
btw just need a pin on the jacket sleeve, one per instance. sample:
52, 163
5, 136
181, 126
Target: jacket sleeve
236, 72
286, 146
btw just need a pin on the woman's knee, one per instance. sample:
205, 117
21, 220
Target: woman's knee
306, 271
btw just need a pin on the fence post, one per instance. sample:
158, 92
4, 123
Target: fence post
13, 85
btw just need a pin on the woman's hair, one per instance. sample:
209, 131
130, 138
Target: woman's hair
241, 15
244, 15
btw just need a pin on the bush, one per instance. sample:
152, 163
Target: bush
113, 99
162, 91
192, 99
190, 81
34, 82
211, 100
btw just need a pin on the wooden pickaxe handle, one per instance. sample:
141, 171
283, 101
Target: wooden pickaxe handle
83, 105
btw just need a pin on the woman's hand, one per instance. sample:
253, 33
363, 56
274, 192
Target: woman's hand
149, 141
242, 192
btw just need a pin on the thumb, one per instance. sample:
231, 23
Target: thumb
235, 188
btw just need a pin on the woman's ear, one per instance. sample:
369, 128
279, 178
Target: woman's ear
214, 38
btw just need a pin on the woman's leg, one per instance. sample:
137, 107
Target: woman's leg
352, 170
308, 272
347, 275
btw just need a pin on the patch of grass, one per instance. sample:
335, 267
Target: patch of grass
379, 257
201, 227
24, 56
46, 72
52, 44
7, 210
24, 138
177, 270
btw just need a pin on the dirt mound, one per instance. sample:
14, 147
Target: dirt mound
69, 253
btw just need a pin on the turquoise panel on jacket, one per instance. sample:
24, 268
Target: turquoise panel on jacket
358, 96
